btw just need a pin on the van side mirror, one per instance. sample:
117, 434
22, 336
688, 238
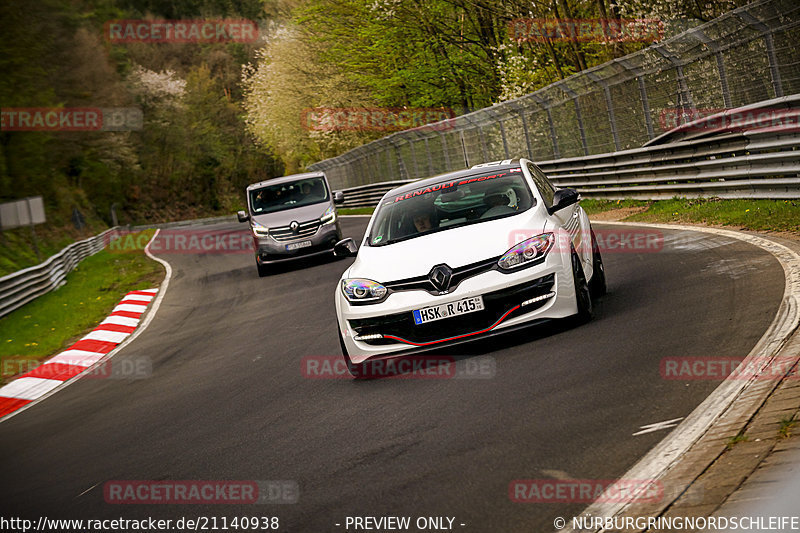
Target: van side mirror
563, 198
338, 197
242, 216
345, 248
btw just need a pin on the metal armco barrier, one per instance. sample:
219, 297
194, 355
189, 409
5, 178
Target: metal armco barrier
746, 56
748, 160
25, 285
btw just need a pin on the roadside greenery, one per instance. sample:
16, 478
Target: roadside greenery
57, 319
758, 215
219, 116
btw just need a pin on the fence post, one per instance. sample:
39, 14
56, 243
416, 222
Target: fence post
750, 20
723, 76
683, 89
612, 119
572, 94
648, 119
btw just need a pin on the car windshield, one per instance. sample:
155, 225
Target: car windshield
289, 195
450, 204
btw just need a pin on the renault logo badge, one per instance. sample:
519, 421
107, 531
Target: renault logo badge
440, 277
294, 226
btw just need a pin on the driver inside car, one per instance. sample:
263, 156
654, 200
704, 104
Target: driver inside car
498, 201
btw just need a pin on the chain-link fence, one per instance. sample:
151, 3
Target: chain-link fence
746, 56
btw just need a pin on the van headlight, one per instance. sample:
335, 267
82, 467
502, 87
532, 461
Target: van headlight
329, 217
526, 251
260, 230
360, 290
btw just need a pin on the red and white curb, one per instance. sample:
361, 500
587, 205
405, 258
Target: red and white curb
79, 357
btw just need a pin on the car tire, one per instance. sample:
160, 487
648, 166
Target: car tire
597, 285
263, 270
583, 296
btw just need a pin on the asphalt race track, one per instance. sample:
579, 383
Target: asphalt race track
227, 399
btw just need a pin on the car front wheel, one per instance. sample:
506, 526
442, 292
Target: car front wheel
583, 296
597, 286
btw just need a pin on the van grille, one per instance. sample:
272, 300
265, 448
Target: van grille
285, 233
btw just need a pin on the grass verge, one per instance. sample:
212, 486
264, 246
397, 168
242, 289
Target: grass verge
55, 320
757, 215
355, 210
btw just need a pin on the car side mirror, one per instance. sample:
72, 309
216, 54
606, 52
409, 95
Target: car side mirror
338, 197
242, 216
563, 198
345, 248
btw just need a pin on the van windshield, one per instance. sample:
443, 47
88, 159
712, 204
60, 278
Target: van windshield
450, 204
288, 195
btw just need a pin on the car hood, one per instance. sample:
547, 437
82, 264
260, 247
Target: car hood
299, 214
455, 247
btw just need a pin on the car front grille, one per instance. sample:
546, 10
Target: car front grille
496, 304
459, 275
285, 233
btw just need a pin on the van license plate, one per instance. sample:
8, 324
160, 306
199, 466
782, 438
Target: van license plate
297, 245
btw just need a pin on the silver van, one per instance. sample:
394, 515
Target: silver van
292, 217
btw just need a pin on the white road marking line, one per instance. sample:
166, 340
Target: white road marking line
87, 490
667, 453
658, 426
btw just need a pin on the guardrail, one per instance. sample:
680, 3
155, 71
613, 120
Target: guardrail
755, 162
744, 159
21, 287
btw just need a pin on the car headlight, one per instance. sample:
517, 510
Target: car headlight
260, 230
329, 217
526, 251
363, 290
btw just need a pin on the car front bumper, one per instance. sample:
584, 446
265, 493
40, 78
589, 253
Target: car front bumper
269, 250
542, 291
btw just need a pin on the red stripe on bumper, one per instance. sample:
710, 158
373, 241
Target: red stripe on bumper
490, 328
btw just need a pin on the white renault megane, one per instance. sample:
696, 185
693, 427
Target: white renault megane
465, 255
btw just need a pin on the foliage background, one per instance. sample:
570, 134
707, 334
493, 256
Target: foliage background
220, 116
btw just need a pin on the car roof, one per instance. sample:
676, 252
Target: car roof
285, 179
475, 170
